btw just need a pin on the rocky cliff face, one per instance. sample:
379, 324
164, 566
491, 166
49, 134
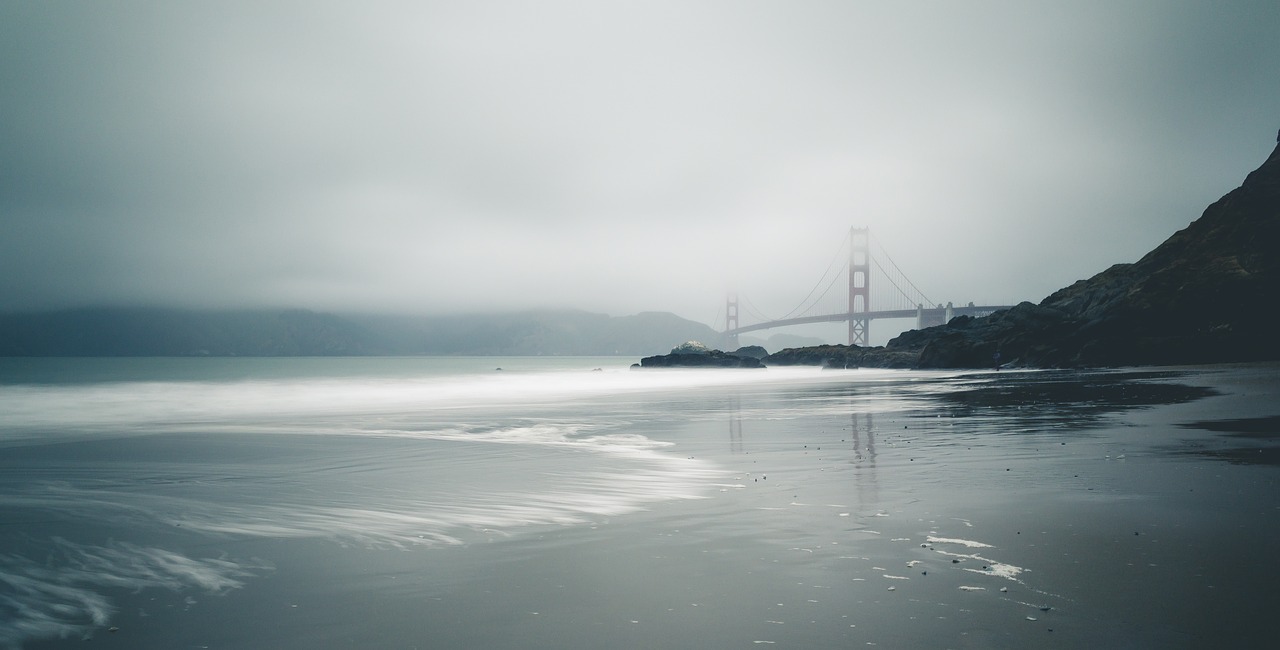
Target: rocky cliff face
1206, 295
843, 356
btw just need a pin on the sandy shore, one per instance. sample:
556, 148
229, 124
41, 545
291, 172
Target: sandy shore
1121, 509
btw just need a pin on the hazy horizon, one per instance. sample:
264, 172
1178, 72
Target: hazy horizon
396, 157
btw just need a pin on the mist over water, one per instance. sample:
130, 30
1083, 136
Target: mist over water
293, 502
330, 404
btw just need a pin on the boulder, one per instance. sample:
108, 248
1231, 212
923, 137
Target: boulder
709, 359
691, 347
753, 351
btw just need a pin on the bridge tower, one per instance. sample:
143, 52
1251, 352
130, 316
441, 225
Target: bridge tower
859, 289
731, 320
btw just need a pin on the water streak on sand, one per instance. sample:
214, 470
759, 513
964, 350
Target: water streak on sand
639, 475
963, 542
600, 472
989, 568
60, 597
148, 406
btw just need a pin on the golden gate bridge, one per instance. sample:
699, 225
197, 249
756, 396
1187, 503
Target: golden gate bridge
828, 302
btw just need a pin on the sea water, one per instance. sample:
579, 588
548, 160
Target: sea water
577, 503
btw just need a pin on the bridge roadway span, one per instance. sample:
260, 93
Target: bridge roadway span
934, 314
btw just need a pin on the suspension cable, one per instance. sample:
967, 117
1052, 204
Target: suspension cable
805, 300
918, 293
743, 301
889, 277
831, 284
893, 274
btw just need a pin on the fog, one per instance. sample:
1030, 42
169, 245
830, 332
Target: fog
433, 157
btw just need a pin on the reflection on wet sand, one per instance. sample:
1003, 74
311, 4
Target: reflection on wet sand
863, 435
862, 453
735, 424
1042, 400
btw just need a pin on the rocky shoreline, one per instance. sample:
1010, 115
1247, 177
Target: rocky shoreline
1205, 295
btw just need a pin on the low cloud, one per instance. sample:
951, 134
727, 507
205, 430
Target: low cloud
431, 157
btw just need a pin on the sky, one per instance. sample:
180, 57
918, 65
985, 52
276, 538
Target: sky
616, 157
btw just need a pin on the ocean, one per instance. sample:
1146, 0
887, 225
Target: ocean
577, 503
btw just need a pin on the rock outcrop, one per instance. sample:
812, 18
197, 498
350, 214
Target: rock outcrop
693, 354
844, 356
754, 351
1205, 295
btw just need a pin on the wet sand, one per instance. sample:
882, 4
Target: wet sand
1133, 509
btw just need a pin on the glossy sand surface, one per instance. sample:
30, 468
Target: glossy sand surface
397, 503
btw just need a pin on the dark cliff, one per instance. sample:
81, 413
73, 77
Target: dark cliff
1205, 295
843, 356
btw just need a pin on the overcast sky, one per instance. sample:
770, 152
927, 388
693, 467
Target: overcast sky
610, 156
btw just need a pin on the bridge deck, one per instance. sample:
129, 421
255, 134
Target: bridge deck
979, 310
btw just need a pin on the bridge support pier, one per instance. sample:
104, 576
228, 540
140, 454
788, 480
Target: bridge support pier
932, 316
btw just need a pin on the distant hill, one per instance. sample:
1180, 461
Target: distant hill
172, 332
535, 333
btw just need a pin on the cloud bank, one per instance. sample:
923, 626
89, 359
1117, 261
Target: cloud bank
617, 157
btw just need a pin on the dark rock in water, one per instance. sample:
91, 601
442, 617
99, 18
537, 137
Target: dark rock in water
692, 354
1202, 296
712, 359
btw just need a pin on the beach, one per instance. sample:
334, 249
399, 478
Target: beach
574, 503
